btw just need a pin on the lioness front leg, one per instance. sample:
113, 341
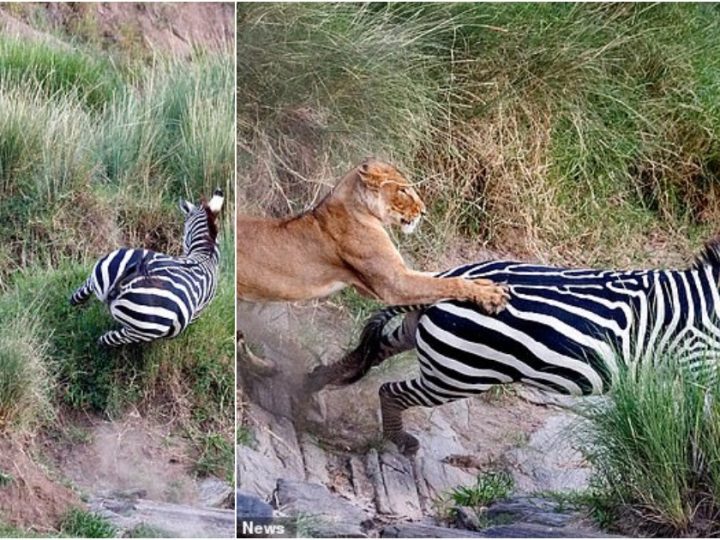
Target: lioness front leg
410, 287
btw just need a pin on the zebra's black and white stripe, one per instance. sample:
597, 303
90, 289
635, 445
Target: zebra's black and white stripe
563, 330
153, 295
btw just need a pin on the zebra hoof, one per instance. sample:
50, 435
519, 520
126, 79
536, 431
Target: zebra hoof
406, 443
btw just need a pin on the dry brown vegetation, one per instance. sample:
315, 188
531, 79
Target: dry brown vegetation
556, 133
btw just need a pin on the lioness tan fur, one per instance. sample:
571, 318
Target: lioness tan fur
342, 242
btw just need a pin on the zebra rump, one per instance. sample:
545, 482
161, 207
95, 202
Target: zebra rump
563, 330
153, 295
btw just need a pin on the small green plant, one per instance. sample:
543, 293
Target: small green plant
245, 436
489, 487
217, 456
84, 524
6, 479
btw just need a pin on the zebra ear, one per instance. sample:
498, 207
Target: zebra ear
185, 206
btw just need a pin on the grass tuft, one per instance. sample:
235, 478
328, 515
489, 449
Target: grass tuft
26, 378
60, 71
655, 452
488, 488
83, 524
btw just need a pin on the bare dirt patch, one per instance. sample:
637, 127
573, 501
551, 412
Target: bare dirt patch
30, 496
133, 455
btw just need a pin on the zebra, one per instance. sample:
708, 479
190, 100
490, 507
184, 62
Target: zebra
153, 295
568, 331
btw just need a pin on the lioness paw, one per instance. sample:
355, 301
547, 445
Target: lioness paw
492, 296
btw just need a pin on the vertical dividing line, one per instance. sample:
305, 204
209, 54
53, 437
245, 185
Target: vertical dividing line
234, 231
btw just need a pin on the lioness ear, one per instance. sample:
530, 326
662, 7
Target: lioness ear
369, 175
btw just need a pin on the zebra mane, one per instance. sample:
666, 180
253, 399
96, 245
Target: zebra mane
709, 255
211, 221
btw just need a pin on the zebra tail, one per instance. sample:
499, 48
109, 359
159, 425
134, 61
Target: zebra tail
355, 364
372, 340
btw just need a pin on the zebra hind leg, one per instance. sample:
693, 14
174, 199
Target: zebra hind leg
116, 338
82, 293
395, 397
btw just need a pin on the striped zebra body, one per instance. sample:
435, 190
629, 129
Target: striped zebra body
153, 295
563, 330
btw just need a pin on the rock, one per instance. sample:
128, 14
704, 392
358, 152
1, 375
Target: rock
413, 530
215, 493
440, 477
399, 480
540, 397
277, 454
524, 530
534, 517
467, 518
248, 506
316, 462
548, 462
529, 510
362, 486
319, 512
164, 519
372, 466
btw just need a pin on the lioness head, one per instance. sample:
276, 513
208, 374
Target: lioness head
389, 195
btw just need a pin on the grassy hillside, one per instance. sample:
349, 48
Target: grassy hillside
557, 132
94, 154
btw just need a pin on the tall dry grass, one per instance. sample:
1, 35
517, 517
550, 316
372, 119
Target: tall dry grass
553, 131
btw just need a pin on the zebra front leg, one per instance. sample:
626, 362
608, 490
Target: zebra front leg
81, 295
116, 338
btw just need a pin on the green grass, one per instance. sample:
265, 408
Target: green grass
83, 524
244, 436
26, 376
488, 488
60, 71
80, 180
94, 156
8, 531
655, 452
217, 456
342, 83
591, 501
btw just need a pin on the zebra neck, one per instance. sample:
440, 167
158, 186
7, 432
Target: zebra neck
204, 256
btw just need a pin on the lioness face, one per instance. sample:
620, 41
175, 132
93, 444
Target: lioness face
405, 208
396, 202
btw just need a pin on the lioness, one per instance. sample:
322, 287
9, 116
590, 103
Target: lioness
342, 242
